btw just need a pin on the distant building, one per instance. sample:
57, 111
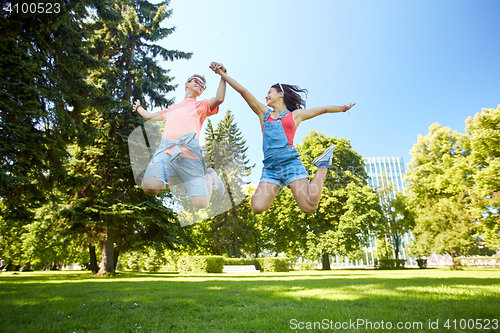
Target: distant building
392, 167
377, 167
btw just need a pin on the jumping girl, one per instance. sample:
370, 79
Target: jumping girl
284, 112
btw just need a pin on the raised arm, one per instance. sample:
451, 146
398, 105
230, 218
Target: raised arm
221, 92
300, 115
257, 107
156, 116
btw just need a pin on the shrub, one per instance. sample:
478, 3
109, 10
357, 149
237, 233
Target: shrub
200, 264
274, 264
307, 266
184, 265
422, 263
215, 264
243, 261
391, 263
167, 268
151, 262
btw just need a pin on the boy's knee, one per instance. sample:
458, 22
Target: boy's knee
200, 202
151, 192
152, 186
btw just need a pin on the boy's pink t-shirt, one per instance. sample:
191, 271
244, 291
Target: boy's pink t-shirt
185, 117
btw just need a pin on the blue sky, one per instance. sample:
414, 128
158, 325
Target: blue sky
407, 64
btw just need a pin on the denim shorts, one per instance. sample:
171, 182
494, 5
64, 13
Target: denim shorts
282, 166
186, 171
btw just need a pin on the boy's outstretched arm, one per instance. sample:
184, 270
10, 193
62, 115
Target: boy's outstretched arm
145, 113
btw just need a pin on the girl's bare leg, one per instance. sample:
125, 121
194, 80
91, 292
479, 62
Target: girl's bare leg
307, 195
264, 197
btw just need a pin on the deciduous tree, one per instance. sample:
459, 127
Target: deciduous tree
440, 181
484, 132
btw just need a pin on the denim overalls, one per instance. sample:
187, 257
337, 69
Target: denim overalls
282, 164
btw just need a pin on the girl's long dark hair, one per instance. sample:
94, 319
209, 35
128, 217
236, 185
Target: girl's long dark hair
293, 98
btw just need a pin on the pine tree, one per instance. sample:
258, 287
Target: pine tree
43, 94
225, 151
110, 206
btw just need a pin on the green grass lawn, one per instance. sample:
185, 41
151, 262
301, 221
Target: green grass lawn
262, 302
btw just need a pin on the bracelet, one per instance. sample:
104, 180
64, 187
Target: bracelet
345, 108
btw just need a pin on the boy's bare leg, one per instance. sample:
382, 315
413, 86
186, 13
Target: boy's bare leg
153, 185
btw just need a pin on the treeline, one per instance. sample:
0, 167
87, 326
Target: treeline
68, 79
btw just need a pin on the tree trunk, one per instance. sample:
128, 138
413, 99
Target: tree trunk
396, 246
236, 250
93, 259
128, 91
325, 259
455, 253
229, 247
116, 253
107, 265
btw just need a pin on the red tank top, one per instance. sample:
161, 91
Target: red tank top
288, 125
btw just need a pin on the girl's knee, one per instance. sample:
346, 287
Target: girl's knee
258, 208
308, 208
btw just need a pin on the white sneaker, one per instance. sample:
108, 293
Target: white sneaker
327, 156
217, 183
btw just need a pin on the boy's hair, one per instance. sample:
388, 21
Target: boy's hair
201, 77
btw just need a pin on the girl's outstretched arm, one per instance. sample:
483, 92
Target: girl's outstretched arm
257, 107
145, 113
221, 90
300, 115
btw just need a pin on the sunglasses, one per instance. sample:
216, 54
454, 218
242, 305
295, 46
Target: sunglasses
199, 82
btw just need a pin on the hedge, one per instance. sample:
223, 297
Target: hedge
274, 264
390, 263
243, 261
306, 266
422, 263
215, 264
200, 264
